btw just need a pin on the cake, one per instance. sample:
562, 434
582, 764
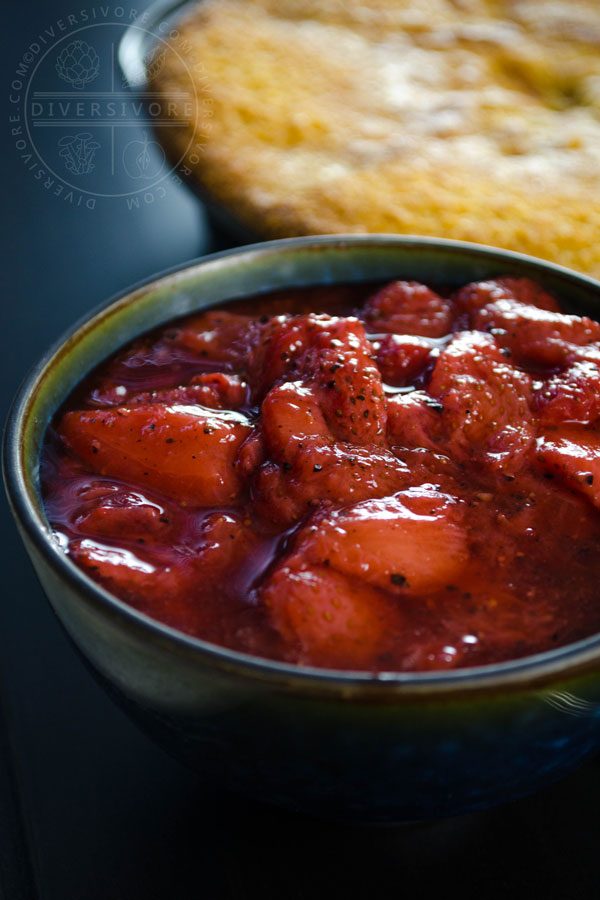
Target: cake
470, 119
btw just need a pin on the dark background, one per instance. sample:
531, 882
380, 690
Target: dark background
89, 808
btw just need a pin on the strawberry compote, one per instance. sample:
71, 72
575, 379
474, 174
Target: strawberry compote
360, 477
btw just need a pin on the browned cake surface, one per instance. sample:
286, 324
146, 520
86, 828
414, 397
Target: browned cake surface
469, 119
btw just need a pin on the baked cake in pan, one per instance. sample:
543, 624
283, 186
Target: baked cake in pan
470, 119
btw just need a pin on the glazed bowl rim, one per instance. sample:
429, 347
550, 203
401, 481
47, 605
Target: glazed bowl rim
540, 667
130, 51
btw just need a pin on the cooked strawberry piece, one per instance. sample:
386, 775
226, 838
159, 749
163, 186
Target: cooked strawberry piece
291, 412
405, 307
178, 450
215, 390
273, 498
163, 591
227, 553
530, 293
281, 346
570, 396
495, 614
251, 455
588, 353
127, 515
485, 402
327, 618
324, 472
402, 358
414, 420
332, 357
473, 296
572, 453
483, 612
535, 335
431, 467
148, 364
342, 472
339, 367
215, 336
282, 341
174, 581
411, 543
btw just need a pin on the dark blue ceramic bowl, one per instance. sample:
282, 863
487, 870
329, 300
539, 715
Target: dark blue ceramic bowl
345, 745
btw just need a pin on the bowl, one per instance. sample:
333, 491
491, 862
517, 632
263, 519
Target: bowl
344, 745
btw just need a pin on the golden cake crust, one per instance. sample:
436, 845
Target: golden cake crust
470, 119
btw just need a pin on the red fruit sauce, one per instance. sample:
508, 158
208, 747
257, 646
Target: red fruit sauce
359, 477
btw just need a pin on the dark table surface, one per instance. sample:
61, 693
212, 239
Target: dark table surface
89, 808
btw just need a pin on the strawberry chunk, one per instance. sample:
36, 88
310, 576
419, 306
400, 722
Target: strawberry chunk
171, 580
402, 358
216, 336
291, 412
320, 471
483, 613
251, 455
179, 450
283, 340
162, 591
414, 420
496, 615
572, 453
327, 618
339, 367
485, 402
570, 396
406, 307
535, 336
473, 296
125, 515
215, 390
147, 365
227, 553
409, 543
332, 357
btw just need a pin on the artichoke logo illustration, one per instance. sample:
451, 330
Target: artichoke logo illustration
78, 152
78, 64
